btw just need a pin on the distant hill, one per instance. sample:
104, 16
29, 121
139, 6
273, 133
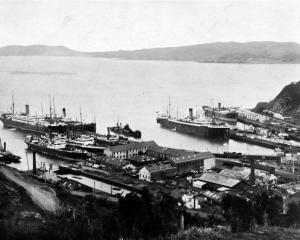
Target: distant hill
38, 50
229, 52
287, 102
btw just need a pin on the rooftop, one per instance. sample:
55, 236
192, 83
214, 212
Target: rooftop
142, 158
138, 145
219, 179
192, 157
239, 173
116, 162
159, 168
167, 151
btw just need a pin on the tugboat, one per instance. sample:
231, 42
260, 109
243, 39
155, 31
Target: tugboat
6, 156
126, 131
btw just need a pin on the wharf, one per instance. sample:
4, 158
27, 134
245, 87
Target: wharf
237, 156
273, 144
109, 179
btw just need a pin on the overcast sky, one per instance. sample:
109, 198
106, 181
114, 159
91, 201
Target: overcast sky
114, 25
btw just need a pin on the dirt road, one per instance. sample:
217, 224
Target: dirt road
45, 197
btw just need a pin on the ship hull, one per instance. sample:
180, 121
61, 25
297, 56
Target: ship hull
57, 153
194, 129
23, 126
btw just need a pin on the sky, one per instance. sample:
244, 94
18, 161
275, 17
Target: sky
126, 25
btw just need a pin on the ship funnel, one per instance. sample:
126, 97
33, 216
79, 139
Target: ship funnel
219, 105
191, 113
27, 109
64, 112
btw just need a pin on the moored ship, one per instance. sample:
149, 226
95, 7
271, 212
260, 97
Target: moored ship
192, 126
126, 131
55, 148
44, 124
221, 114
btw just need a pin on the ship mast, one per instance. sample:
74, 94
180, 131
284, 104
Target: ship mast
54, 108
50, 107
80, 115
13, 103
169, 108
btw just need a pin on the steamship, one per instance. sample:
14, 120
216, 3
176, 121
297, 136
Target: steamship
190, 125
44, 124
222, 114
57, 148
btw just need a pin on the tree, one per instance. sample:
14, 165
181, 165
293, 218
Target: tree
292, 215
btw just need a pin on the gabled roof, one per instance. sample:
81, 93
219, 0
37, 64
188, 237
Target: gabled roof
159, 168
116, 162
192, 157
219, 179
167, 151
141, 159
132, 146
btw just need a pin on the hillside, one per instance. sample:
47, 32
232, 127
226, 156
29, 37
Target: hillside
287, 102
228, 52
38, 50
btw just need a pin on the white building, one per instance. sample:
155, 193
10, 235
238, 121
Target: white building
128, 150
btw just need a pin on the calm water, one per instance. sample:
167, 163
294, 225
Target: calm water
133, 91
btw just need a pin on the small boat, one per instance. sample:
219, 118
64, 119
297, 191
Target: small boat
7, 156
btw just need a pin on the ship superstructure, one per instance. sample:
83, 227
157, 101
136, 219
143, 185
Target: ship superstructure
222, 114
44, 124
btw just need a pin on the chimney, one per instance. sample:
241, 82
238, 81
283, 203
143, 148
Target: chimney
108, 132
27, 109
191, 113
64, 112
219, 105
252, 174
33, 163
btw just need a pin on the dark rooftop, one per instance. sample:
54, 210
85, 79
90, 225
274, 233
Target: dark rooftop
160, 167
192, 156
142, 158
167, 151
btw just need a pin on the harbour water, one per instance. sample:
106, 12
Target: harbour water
133, 92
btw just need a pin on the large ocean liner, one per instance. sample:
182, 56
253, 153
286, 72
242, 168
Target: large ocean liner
44, 124
190, 125
221, 114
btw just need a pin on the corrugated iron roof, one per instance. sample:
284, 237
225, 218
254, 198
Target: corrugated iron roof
132, 146
219, 179
192, 156
159, 167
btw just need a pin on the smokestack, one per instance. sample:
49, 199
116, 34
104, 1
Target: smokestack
33, 163
4, 146
64, 112
27, 109
191, 113
252, 174
219, 105
108, 132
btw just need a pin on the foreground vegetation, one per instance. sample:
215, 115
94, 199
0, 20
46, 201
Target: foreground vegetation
144, 216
